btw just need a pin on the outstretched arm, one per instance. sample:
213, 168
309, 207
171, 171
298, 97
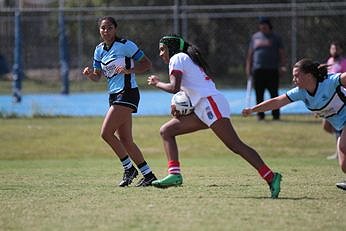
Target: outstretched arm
268, 105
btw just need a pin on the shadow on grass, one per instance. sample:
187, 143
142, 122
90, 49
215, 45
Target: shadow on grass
280, 198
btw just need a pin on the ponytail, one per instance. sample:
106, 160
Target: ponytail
197, 57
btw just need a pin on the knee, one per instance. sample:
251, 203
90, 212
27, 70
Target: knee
106, 135
165, 131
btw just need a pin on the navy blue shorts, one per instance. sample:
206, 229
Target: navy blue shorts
128, 98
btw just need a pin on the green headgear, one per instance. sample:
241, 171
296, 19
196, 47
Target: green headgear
174, 43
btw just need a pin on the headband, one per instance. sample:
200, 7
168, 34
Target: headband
175, 44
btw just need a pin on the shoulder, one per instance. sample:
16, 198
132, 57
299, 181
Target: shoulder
295, 94
180, 57
99, 46
127, 42
99, 50
121, 40
333, 76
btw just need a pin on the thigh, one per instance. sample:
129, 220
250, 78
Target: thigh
259, 85
125, 129
116, 117
224, 130
259, 81
183, 125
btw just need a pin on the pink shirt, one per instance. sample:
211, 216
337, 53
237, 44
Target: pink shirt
336, 66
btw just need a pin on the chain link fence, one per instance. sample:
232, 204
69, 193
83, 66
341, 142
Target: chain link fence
222, 31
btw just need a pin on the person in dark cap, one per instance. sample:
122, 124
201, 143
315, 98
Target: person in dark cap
265, 62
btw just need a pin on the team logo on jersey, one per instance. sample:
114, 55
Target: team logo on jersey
209, 113
109, 67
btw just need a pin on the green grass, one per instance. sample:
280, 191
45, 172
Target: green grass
57, 174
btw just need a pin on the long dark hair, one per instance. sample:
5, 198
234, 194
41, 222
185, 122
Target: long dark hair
176, 44
319, 71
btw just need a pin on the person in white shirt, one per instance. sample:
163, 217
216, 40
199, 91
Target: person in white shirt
189, 72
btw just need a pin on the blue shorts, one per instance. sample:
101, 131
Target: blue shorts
128, 98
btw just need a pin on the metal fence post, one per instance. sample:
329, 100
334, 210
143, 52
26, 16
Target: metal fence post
63, 51
17, 66
176, 19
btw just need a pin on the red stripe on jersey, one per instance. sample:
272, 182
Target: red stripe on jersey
207, 78
176, 72
214, 107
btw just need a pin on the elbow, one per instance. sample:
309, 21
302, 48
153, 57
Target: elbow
175, 88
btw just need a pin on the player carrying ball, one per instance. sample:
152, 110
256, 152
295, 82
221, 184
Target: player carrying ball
188, 71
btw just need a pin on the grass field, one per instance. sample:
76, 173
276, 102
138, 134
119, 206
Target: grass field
57, 174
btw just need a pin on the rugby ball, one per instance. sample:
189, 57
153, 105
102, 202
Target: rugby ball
181, 102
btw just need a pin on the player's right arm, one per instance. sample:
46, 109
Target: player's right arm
268, 105
92, 74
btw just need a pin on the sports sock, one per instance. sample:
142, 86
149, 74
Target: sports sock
173, 167
126, 162
266, 173
144, 168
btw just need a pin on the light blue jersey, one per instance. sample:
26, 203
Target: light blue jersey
121, 53
328, 100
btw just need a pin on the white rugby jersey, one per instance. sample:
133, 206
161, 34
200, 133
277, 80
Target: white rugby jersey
195, 81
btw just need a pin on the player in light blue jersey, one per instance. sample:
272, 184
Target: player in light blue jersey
323, 94
118, 60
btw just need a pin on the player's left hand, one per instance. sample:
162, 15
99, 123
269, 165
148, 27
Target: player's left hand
122, 69
153, 80
174, 112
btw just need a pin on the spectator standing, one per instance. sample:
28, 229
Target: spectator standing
336, 64
265, 62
